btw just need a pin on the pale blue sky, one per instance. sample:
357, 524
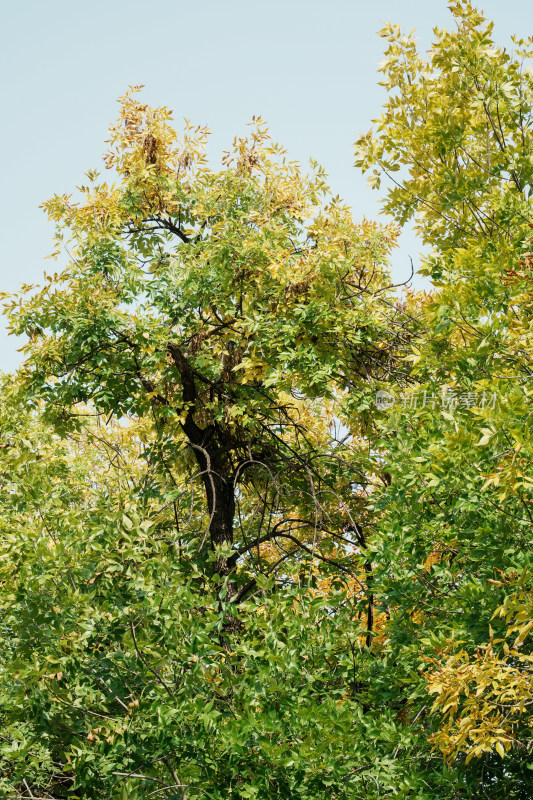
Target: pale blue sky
306, 66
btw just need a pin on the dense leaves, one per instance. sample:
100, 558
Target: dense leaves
226, 570
459, 509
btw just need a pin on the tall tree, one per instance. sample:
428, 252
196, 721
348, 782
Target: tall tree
187, 584
456, 147
216, 302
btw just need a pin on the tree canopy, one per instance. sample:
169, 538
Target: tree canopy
266, 518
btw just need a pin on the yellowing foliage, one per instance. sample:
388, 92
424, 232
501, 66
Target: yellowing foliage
484, 699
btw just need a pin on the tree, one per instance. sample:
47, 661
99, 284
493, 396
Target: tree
459, 508
187, 587
225, 571
208, 300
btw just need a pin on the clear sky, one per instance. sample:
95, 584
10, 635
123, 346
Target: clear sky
308, 67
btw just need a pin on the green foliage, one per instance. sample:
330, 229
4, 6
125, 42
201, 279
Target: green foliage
224, 572
117, 678
187, 606
458, 514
